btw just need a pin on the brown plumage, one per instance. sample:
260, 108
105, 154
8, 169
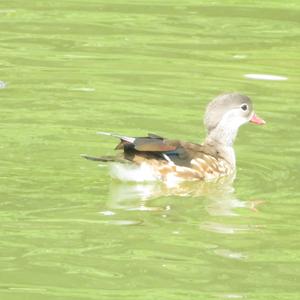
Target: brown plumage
211, 160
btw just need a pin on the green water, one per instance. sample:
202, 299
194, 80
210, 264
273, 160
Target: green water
71, 68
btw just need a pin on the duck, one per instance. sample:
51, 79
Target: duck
157, 158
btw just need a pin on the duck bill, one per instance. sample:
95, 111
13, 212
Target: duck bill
257, 120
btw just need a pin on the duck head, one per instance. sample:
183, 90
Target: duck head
225, 114
223, 117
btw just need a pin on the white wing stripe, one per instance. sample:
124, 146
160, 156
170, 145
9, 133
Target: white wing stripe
122, 137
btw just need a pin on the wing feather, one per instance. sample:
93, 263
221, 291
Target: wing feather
191, 155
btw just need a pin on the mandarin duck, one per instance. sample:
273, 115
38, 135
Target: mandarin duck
156, 158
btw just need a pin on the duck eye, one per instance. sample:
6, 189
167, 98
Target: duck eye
244, 107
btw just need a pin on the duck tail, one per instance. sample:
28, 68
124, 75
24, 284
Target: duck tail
103, 158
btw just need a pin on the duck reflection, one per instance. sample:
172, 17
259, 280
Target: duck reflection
219, 198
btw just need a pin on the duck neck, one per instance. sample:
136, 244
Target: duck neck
222, 140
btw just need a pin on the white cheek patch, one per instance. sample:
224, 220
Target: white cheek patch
233, 119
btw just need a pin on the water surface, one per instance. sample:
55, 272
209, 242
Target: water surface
71, 68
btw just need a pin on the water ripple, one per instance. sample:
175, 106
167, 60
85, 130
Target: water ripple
265, 77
